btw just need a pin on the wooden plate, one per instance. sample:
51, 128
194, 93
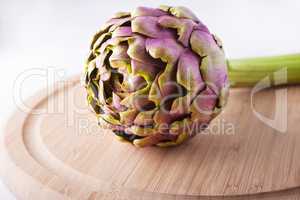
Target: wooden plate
56, 151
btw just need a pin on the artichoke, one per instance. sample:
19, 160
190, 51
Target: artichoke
155, 76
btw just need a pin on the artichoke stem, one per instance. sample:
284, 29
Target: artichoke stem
280, 70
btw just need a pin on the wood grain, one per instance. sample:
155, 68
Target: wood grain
63, 154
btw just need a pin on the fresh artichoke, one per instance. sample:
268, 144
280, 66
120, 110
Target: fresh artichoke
156, 76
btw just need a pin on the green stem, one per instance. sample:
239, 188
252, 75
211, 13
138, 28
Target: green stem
248, 72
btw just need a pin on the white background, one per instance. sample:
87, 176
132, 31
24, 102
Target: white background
45, 33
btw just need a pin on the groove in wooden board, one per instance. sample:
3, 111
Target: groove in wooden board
50, 149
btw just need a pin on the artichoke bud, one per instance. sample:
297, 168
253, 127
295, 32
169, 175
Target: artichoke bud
156, 76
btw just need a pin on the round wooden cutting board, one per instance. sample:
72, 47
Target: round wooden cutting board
55, 150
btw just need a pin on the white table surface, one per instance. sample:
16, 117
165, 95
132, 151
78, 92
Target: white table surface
53, 33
